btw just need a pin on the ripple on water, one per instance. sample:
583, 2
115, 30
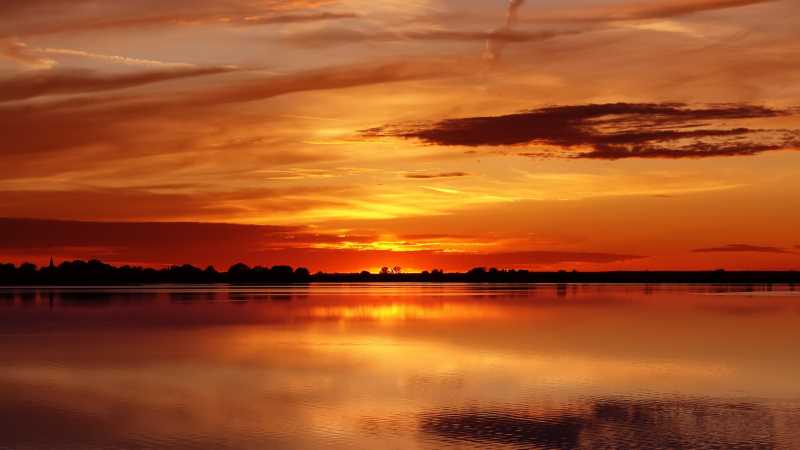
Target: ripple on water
606, 424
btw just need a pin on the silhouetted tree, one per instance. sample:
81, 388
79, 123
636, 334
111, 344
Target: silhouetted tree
239, 273
302, 275
239, 268
282, 272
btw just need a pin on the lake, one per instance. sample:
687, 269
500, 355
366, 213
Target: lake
386, 366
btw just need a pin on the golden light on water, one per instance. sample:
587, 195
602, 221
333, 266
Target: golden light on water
407, 311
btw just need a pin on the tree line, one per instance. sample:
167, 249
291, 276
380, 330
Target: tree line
97, 272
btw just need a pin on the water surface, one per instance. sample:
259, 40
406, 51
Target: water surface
400, 367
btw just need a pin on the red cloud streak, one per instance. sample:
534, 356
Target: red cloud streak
154, 244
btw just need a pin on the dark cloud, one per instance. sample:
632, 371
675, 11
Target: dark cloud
429, 176
612, 131
54, 82
532, 258
39, 233
32, 233
742, 248
465, 261
154, 243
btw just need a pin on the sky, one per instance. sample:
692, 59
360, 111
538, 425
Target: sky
347, 135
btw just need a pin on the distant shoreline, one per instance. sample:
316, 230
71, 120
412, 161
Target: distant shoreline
95, 272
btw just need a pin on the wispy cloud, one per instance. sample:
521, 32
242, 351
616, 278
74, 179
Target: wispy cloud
126, 60
159, 204
641, 10
296, 18
59, 82
39, 58
429, 176
109, 119
20, 53
77, 17
343, 36
742, 248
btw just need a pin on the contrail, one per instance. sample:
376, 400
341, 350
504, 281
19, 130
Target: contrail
496, 41
513, 10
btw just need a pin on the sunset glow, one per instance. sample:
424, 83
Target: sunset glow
348, 135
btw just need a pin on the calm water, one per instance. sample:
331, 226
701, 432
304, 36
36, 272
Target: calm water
400, 367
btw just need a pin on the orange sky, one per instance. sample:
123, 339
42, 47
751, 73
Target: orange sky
347, 134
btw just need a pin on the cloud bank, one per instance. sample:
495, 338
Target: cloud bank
612, 131
159, 243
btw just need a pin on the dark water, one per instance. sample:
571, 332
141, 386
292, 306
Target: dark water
400, 367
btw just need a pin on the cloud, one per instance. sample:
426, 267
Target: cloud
191, 19
155, 243
332, 77
534, 258
110, 58
296, 18
14, 7
429, 176
742, 248
612, 131
149, 243
32, 233
34, 57
26, 18
165, 203
20, 53
494, 44
107, 121
342, 36
60, 82
647, 10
